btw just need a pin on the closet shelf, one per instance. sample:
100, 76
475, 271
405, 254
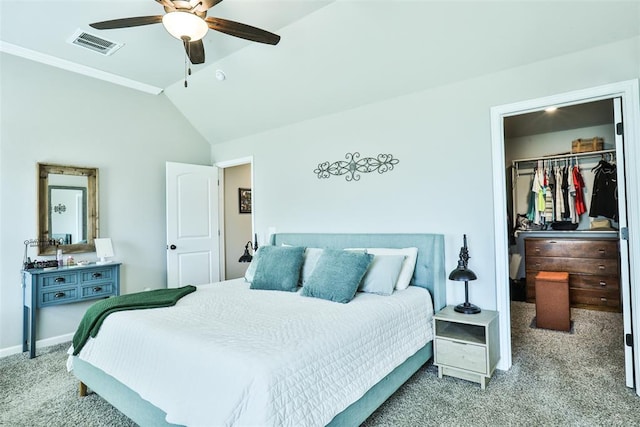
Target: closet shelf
564, 156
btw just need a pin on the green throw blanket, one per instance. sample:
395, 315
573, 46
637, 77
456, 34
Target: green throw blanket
95, 315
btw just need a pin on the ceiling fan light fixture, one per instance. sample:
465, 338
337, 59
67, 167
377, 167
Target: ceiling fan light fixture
185, 25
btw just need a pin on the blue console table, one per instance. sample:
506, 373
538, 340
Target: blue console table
63, 285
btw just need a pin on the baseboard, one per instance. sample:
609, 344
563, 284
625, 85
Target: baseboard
47, 342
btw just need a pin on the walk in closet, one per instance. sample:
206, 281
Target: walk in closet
562, 203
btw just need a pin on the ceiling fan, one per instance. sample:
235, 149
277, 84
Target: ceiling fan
188, 21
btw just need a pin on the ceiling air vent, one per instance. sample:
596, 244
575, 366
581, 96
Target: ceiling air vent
94, 43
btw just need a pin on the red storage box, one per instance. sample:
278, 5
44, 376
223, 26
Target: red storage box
552, 300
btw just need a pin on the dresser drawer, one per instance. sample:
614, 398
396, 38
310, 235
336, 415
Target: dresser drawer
570, 248
460, 355
97, 290
609, 283
595, 298
58, 279
572, 265
58, 296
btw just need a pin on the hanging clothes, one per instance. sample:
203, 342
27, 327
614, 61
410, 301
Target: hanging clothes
566, 205
604, 200
578, 183
559, 203
537, 189
548, 197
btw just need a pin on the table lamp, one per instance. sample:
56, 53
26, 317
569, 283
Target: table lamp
246, 256
463, 274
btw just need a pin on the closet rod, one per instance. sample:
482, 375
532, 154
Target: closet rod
564, 156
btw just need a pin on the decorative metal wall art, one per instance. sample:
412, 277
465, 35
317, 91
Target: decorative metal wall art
354, 166
60, 208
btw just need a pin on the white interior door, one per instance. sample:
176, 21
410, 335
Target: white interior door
192, 225
625, 286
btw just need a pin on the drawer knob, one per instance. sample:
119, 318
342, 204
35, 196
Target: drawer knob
603, 284
59, 280
601, 267
59, 295
602, 251
603, 299
97, 289
537, 250
96, 275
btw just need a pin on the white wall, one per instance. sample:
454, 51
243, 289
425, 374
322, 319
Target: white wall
53, 116
443, 183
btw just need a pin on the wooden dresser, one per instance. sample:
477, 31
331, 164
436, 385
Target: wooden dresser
593, 265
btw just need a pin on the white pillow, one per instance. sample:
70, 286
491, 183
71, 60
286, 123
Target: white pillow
251, 270
382, 275
408, 266
311, 257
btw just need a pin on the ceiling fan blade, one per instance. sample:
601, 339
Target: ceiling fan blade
195, 51
204, 4
166, 3
243, 31
127, 22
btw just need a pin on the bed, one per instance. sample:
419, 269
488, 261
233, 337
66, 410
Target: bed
305, 384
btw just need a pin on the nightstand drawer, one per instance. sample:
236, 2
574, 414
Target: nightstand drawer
461, 355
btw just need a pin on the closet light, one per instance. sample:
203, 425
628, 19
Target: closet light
550, 109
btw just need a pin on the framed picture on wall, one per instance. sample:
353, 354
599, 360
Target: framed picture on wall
244, 199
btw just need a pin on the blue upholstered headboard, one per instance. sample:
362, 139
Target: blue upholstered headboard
429, 272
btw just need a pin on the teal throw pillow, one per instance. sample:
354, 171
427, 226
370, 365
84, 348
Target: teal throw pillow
278, 268
337, 275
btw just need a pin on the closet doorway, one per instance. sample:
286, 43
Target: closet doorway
236, 215
523, 134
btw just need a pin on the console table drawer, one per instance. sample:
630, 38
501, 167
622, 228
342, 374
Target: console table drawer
58, 279
58, 296
462, 355
97, 290
97, 275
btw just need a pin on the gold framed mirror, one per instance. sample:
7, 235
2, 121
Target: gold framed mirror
67, 208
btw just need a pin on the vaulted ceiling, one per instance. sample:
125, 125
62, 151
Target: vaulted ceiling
333, 55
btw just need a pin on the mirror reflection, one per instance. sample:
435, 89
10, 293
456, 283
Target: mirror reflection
67, 208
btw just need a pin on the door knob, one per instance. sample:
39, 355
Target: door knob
173, 247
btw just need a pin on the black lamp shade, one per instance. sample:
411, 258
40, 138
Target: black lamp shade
462, 273
246, 256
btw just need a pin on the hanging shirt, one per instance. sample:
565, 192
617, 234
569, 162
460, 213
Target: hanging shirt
538, 189
559, 202
548, 197
578, 184
604, 200
572, 196
566, 209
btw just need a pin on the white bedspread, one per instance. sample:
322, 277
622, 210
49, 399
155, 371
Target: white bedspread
227, 355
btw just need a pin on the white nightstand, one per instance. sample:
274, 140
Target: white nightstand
467, 346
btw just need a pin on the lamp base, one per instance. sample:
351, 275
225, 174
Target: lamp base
467, 308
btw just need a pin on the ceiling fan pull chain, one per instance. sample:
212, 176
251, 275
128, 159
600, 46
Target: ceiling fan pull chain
186, 65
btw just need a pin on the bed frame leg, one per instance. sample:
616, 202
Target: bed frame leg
82, 389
